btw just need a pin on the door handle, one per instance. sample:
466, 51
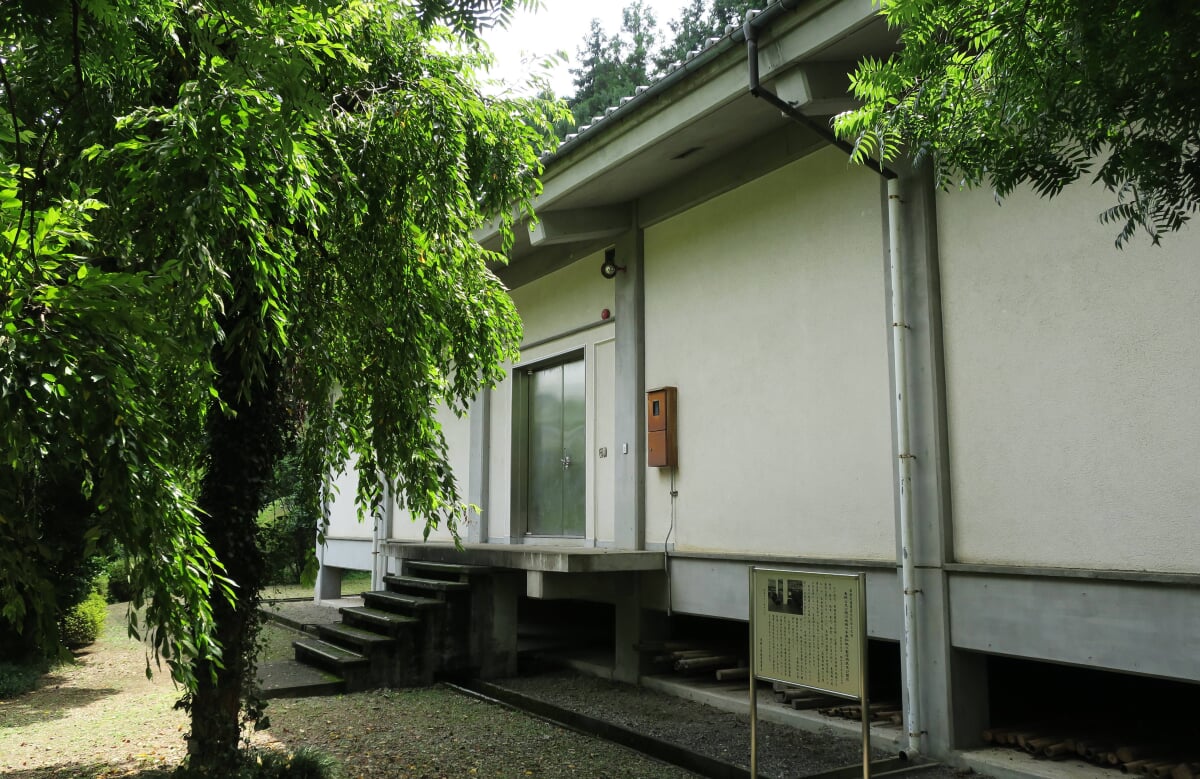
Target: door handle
566, 461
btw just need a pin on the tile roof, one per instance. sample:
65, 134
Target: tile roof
673, 72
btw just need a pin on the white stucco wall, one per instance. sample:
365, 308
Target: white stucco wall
499, 507
766, 308
343, 513
571, 296
1073, 370
557, 303
458, 444
601, 383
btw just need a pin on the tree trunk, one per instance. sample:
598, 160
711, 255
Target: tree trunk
243, 449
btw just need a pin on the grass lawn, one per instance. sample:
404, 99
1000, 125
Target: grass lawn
353, 583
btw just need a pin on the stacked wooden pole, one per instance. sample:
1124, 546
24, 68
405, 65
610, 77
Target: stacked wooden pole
881, 711
1161, 761
690, 658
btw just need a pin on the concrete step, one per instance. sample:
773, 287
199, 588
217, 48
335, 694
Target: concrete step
329, 656
366, 642
388, 622
400, 603
292, 679
445, 571
422, 584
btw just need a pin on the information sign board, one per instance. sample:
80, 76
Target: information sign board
807, 630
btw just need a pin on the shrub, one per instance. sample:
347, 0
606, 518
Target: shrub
287, 538
117, 588
82, 623
16, 679
286, 532
304, 763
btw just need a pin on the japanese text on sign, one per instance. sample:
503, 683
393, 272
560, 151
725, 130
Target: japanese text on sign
808, 629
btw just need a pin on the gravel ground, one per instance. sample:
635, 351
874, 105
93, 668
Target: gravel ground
435, 733
782, 751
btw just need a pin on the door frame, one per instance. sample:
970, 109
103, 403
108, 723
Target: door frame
520, 448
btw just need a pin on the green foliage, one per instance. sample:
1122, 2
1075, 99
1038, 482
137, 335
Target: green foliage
722, 13
695, 25
599, 80
1043, 92
688, 31
224, 225
82, 623
89, 447
18, 679
612, 67
640, 24
469, 17
287, 526
287, 539
116, 580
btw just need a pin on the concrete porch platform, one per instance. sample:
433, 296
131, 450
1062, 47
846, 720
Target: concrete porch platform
528, 557
543, 572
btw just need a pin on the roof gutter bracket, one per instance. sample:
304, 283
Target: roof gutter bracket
753, 26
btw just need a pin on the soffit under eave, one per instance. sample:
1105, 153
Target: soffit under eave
636, 152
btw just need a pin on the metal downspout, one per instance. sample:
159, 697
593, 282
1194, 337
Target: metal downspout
900, 406
904, 460
383, 531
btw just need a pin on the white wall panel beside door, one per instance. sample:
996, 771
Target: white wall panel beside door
601, 386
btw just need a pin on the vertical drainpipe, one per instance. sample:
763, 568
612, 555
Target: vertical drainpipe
904, 460
383, 531
900, 404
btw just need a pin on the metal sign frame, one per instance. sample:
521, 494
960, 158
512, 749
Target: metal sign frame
860, 597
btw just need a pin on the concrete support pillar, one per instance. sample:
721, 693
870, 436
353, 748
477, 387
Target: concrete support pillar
494, 602
634, 624
952, 684
329, 583
629, 401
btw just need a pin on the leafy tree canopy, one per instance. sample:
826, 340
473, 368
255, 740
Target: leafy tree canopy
722, 13
1044, 92
224, 223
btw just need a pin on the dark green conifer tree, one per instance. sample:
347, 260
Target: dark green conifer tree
688, 32
612, 67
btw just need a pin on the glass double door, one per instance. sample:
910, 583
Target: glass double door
557, 472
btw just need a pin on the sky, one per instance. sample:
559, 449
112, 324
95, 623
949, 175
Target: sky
560, 25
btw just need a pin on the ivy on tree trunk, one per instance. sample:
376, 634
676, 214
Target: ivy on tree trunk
246, 439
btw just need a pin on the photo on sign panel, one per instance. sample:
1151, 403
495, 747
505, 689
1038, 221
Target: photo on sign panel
785, 596
775, 594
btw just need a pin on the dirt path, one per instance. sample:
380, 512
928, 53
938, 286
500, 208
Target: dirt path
99, 718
